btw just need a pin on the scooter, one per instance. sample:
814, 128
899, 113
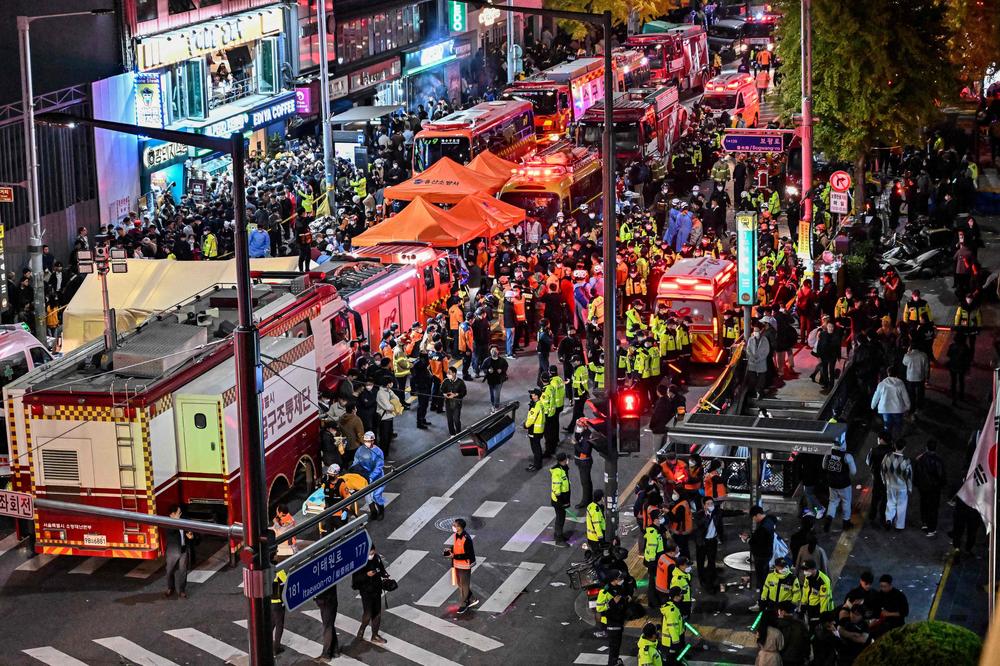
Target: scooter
929, 263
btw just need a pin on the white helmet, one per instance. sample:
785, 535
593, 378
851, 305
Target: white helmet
333, 470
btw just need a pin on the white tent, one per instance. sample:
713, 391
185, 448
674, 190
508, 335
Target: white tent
151, 285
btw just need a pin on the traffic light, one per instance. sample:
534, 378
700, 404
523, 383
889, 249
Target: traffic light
629, 410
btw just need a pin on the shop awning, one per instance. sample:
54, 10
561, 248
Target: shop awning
445, 182
424, 222
498, 216
492, 165
362, 113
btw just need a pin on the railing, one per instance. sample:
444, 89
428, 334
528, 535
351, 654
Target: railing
224, 93
777, 474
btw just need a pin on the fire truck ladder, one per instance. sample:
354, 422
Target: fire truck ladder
127, 471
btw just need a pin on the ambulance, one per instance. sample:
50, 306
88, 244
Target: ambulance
20, 352
558, 179
701, 288
734, 94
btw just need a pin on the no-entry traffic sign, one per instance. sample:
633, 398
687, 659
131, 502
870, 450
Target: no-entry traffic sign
840, 181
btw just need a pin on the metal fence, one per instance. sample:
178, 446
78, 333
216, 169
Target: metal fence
777, 474
65, 157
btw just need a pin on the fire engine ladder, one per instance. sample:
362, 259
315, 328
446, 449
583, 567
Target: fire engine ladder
127, 470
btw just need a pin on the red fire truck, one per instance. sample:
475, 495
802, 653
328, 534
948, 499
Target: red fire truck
631, 68
647, 123
560, 94
158, 427
678, 56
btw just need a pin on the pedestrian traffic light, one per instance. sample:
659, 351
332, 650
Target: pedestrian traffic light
629, 410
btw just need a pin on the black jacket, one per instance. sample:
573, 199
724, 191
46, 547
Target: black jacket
762, 539
366, 584
470, 549
702, 521
495, 370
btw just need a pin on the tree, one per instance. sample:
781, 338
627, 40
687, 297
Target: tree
927, 643
646, 10
880, 70
974, 46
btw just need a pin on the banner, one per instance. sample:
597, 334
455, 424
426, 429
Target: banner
981, 481
746, 257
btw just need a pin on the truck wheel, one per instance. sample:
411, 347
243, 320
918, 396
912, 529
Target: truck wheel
305, 478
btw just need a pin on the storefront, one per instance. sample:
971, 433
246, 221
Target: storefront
434, 72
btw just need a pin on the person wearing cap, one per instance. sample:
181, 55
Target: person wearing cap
595, 522
583, 456
813, 593
534, 423
509, 320
758, 350
612, 608
915, 308
672, 630
560, 496
371, 460
463, 559
652, 547
779, 587
580, 386
634, 325
648, 645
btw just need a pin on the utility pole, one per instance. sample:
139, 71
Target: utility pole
511, 45
807, 131
610, 232
329, 159
246, 346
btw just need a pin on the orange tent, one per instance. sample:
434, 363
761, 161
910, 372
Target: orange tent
498, 216
424, 222
445, 182
490, 164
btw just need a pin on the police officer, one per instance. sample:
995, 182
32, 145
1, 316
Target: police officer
560, 496
534, 423
915, 307
596, 371
583, 456
730, 329
672, 629
778, 586
612, 604
680, 579
278, 606
649, 649
595, 522
813, 592
653, 547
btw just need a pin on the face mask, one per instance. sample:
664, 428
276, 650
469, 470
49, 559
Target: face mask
578, 429
371, 556
675, 497
660, 521
454, 528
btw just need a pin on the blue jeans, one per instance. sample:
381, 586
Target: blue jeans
509, 340
495, 395
839, 497
893, 423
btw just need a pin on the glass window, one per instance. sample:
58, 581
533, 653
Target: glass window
267, 71
39, 356
145, 10
200, 422
180, 6
12, 367
209, 3
340, 329
444, 273
194, 88
429, 277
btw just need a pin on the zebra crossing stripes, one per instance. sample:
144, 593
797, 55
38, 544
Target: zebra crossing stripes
209, 644
53, 657
445, 628
408, 651
308, 647
530, 530
133, 652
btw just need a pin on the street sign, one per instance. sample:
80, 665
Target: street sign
840, 181
16, 505
754, 142
838, 202
746, 257
6, 195
323, 571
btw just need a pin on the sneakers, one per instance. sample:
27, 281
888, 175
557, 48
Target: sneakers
462, 609
473, 603
530, 468
377, 639
755, 608
932, 533
561, 543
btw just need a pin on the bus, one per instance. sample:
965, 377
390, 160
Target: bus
560, 178
506, 128
560, 94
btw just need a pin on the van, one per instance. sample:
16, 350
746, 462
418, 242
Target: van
728, 38
20, 353
734, 94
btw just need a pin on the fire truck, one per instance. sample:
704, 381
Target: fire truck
560, 178
702, 288
631, 68
647, 123
560, 94
152, 424
678, 56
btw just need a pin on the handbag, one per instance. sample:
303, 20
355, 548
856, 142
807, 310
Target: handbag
389, 585
397, 406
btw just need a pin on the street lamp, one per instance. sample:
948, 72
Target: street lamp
31, 160
329, 161
255, 555
609, 230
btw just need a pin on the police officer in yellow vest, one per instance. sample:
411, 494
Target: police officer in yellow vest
595, 310
672, 629
580, 387
813, 593
633, 320
560, 495
534, 423
730, 329
915, 307
968, 319
778, 586
683, 350
596, 370
680, 579
653, 547
595, 522
278, 607
649, 649
553, 405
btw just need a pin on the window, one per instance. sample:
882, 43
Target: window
300, 330
429, 277
209, 3
444, 272
267, 71
145, 10
12, 367
200, 422
340, 329
180, 6
39, 356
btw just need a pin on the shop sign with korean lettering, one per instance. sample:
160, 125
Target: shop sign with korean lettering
370, 76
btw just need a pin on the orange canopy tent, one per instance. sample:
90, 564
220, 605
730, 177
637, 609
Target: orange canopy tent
445, 182
498, 216
424, 222
490, 164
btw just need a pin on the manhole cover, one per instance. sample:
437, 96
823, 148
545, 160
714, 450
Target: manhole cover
445, 523
739, 561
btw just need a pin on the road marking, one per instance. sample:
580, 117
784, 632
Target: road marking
53, 657
488, 509
389, 497
465, 477
308, 647
932, 614
90, 565
406, 650
9, 542
530, 530
133, 652
511, 587
445, 628
442, 589
597, 659
145, 569
215, 562
209, 644
402, 565
36, 563
416, 520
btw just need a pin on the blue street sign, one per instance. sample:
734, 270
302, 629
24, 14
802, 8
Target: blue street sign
753, 142
746, 258
326, 569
